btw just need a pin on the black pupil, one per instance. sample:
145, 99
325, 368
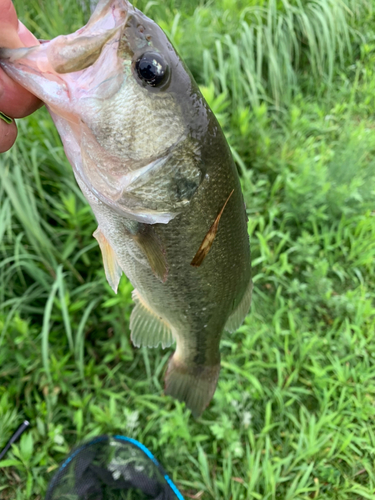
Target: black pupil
151, 68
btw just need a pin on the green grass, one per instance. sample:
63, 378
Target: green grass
293, 415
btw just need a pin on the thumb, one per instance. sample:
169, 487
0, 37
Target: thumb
25, 36
13, 33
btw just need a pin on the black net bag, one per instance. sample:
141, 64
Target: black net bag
112, 468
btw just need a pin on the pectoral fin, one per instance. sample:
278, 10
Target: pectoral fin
148, 328
112, 268
151, 246
209, 238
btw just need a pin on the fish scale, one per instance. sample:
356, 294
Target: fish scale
154, 165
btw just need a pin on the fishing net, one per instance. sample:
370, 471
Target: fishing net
112, 468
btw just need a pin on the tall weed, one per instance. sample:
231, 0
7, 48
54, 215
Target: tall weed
281, 47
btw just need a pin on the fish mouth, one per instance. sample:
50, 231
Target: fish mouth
107, 18
82, 60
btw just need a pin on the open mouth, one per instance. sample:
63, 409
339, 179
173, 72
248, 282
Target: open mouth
64, 67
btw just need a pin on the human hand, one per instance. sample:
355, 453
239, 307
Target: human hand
15, 101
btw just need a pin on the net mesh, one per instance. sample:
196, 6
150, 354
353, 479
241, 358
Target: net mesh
112, 468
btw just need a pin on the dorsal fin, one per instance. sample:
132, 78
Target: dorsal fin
235, 320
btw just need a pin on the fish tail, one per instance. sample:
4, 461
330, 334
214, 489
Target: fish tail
195, 385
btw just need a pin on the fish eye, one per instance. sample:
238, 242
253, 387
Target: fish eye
152, 68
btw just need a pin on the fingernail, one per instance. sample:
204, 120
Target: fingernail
6, 118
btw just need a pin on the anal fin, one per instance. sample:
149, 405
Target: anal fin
112, 268
147, 328
235, 320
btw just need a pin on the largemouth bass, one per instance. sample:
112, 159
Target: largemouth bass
153, 163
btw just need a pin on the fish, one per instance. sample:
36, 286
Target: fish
153, 163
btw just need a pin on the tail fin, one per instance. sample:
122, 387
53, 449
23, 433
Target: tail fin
194, 385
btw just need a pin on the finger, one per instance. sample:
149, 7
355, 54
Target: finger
8, 13
15, 101
9, 26
8, 134
26, 37
13, 33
